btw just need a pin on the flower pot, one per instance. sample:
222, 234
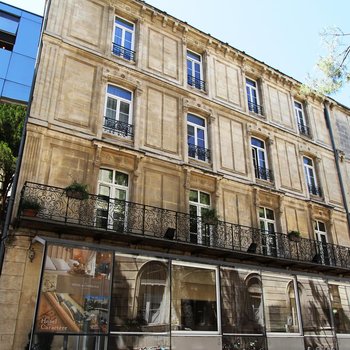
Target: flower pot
294, 238
30, 212
75, 194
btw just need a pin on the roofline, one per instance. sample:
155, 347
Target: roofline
18, 8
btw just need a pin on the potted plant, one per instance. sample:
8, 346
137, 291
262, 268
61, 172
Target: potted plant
77, 190
294, 236
210, 216
30, 207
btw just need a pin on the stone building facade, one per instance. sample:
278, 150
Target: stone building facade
164, 123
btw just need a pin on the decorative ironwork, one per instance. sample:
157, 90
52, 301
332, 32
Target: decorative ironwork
314, 190
123, 52
114, 126
254, 107
200, 153
197, 83
116, 216
304, 129
263, 173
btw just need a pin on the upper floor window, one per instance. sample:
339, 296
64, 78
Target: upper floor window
323, 246
8, 30
253, 96
195, 70
310, 177
260, 161
301, 120
197, 138
267, 228
123, 43
118, 114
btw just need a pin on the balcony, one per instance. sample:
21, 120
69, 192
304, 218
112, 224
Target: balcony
117, 127
197, 83
122, 51
304, 129
199, 153
137, 223
255, 108
263, 173
314, 190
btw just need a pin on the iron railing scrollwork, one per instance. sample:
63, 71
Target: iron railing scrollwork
101, 213
122, 51
200, 153
263, 173
197, 83
304, 129
114, 126
254, 107
314, 190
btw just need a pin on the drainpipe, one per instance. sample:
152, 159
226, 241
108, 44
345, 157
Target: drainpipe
10, 205
336, 157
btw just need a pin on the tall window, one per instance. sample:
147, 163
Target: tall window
310, 177
260, 162
113, 191
301, 120
123, 44
118, 115
8, 30
323, 247
195, 70
267, 228
253, 96
199, 203
197, 138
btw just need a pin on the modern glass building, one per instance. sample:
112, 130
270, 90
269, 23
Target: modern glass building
19, 38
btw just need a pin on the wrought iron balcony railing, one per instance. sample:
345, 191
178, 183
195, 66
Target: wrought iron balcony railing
263, 173
104, 214
314, 190
304, 129
197, 83
200, 153
253, 107
123, 52
117, 127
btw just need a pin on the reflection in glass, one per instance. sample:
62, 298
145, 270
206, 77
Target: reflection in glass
241, 296
320, 343
279, 302
315, 307
243, 343
340, 299
194, 301
141, 295
144, 342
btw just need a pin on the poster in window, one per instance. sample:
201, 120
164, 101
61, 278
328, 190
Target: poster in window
75, 291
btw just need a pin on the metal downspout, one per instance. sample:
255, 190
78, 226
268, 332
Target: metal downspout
336, 156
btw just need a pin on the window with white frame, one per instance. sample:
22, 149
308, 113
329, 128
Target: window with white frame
253, 96
197, 138
260, 161
195, 70
199, 203
267, 230
123, 40
310, 177
301, 120
113, 192
118, 113
323, 247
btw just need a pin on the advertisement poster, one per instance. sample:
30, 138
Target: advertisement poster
75, 291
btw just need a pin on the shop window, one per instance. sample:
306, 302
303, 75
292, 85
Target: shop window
340, 300
123, 42
197, 138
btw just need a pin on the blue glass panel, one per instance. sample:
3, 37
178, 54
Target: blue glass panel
124, 24
251, 83
118, 36
193, 56
1, 86
13, 10
258, 143
8, 22
189, 67
21, 69
117, 91
195, 120
4, 62
307, 161
32, 17
27, 38
128, 40
16, 91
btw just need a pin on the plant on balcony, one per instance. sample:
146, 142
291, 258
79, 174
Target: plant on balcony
210, 216
294, 236
30, 207
77, 190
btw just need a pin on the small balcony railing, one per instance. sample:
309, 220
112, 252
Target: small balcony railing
103, 214
197, 83
304, 129
200, 153
117, 127
263, 174
122, 51
315, 190
255, 108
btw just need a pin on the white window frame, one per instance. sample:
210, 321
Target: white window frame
270, 237
250, 96
308, 169
301, 117
322, 244
124, 30
192, 61
196, 128
257, 152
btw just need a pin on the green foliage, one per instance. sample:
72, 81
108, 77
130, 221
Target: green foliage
29, 203
77, 187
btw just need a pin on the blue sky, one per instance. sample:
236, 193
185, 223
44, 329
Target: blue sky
282, 33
